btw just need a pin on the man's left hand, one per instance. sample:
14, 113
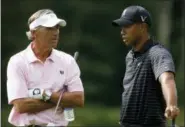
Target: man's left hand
172, 112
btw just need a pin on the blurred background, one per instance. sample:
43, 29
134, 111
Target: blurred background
102, 52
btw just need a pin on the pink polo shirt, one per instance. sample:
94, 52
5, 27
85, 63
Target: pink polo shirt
25, 71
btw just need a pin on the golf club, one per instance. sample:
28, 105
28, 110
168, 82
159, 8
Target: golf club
68, 112
173, 123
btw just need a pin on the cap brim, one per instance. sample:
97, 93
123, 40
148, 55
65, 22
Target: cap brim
122, 22
54, 22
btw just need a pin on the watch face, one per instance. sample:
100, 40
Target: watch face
36, 91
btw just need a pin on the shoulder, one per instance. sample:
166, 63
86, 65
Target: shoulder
17, 58
64, 57
159, 50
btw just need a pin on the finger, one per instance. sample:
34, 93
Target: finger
173, 112
178, 111
167, 113
60, 110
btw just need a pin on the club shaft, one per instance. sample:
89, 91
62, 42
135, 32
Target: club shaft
173, 122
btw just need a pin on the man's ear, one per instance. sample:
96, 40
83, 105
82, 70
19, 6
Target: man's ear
143, 27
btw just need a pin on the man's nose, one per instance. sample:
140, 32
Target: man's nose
122, 32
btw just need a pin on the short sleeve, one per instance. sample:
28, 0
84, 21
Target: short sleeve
73, 80
16, 83
162, 61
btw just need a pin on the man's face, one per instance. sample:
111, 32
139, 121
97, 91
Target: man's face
48, 37
131, 34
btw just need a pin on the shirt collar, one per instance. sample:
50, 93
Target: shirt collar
52, 56
32, 58
148, 44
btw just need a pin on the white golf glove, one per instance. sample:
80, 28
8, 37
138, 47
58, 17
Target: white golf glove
36, 93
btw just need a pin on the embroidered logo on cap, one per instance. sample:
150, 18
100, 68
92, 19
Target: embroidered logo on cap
143, 18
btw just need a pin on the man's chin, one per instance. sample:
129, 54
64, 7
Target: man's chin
126, 43
54, 46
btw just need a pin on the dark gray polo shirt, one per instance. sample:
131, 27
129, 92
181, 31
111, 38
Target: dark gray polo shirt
142, 100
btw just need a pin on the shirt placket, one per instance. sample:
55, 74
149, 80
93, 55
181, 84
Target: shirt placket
44, 78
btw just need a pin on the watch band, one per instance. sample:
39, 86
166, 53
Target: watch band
47, 95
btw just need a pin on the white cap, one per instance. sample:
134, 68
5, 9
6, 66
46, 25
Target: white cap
47, 20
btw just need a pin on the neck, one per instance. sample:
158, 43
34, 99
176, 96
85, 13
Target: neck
139, 44
40, 52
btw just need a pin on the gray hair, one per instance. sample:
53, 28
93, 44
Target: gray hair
34, 17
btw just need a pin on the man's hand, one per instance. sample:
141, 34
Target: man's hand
172, 112
60, 110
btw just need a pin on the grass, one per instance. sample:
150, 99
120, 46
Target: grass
100, 115
92, 115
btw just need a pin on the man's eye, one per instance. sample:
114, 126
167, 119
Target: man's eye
55, 27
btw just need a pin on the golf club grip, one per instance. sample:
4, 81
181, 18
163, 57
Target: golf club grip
173, 122
76, 55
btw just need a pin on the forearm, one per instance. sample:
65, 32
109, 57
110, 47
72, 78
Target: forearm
169, 89
169, 93
29, 105
69, 99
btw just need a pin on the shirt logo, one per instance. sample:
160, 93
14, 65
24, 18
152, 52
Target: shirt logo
139, 64
61, 72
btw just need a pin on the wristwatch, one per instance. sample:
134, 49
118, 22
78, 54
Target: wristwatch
47, 95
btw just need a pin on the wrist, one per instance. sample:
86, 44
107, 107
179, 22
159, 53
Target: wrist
56, 96
36, 93
171, 104
46, 95
171, 100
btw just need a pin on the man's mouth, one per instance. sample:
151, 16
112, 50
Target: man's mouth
124, 38
55, 39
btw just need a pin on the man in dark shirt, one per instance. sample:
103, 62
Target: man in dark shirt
149, 95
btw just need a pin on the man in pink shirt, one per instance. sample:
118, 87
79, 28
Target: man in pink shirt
37, 75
